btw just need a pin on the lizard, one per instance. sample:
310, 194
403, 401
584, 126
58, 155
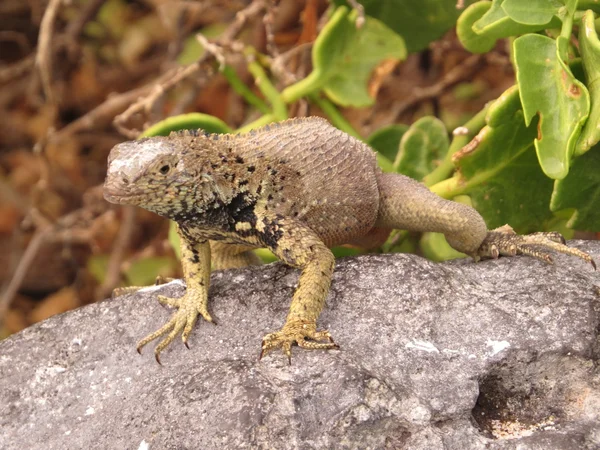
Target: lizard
298, 188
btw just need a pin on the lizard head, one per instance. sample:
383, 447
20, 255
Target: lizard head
149, 173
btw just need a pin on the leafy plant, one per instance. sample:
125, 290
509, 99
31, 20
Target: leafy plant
556, 96
530, 158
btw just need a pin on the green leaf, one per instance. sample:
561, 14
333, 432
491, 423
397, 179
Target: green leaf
343, 251
594, 5
266, 255
589, 47
497, 24
240, 88
419, 22
549, 90
504, 107
191, 121
581, 190
143, 272
503, 177
422, 147
344, 59
384, 164
386, 140
475, 43
349, 56
531, 12
339, 252
559, 223
435, 247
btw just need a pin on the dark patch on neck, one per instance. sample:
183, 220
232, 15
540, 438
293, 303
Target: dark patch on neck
242, 209
222, 217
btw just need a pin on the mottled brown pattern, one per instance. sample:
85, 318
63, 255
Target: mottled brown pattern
295, 187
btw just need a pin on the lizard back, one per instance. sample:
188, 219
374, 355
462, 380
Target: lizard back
327, 179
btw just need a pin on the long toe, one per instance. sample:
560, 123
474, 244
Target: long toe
537, 245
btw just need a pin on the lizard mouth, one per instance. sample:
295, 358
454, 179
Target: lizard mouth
117, 196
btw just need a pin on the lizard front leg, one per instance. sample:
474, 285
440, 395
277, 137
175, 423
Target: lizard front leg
297, 245
195, 260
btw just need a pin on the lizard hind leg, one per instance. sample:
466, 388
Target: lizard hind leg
409, 205
406, 204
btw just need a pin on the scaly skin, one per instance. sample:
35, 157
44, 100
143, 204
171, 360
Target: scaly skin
297, 188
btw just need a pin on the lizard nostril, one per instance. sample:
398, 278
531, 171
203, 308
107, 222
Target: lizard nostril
125, 180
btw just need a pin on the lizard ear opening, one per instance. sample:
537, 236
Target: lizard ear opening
165, 169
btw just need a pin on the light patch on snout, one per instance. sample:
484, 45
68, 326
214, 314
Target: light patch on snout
130, 158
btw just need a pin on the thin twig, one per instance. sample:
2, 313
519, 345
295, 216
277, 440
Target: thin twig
153, 91
268, 20
16, 70
212, 48
122, 242
25, 262
278, 64
454, 76
253, 9
18, 38
175, 76
71, 228
113, 105
122, 106
75, 26
44, 53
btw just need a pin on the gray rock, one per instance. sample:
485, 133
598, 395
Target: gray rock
497, 355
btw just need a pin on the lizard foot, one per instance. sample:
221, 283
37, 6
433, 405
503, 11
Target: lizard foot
304, 334
504, 241
188, 308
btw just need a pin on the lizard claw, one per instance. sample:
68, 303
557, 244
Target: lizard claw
182, 321
303, 334
506, 242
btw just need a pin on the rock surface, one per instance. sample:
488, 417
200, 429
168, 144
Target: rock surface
497, 355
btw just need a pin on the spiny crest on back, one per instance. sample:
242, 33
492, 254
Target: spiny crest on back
295, 121
200, 133
265, 128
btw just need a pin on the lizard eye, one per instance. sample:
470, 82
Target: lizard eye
165, 169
